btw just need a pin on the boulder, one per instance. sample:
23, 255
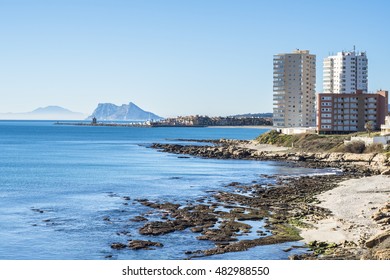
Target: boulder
376, 240
382, 254
138, 219
143, 244
118, 246
386, 172
350, 157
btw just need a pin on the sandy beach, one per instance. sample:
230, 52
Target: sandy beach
352, 204
243, 126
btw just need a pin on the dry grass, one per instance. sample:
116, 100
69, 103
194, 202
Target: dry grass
304, 142
319, 143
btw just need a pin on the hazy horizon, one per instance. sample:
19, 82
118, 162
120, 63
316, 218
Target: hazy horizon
31, 115
174, 57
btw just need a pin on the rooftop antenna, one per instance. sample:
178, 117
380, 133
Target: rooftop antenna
354, 48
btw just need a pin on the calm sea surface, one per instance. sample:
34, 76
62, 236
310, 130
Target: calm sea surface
58, 185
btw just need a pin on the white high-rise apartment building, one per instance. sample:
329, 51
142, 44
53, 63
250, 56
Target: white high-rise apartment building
345, 72
294, 89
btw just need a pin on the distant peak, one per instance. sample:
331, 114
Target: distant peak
51, 109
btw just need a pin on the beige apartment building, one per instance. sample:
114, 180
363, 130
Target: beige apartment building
294, 81
346, 112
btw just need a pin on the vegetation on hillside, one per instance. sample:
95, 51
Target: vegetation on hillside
359, 147
317, 143
304, 142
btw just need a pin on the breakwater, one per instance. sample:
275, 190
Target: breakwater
104, 124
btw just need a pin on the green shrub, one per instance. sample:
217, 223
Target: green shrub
359, 147
374, 148
275, 138
355, 147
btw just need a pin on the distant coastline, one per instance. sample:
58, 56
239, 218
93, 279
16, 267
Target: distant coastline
44, 113
186, 121
153, 125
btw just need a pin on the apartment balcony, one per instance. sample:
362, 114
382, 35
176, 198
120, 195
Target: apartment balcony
279, 104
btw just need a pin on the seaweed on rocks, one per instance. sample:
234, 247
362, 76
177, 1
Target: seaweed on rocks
221, 217
282, 207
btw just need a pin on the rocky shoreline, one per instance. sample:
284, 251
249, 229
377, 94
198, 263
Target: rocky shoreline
367, 164
223, 216
287, 206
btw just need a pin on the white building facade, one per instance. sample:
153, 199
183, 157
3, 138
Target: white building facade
345, 72
294, 81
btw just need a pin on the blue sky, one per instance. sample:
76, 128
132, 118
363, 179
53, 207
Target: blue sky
172, 57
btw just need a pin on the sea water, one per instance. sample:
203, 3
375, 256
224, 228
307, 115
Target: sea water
63, 189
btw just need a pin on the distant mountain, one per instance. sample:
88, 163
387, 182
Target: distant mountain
255, 115
52, 110
45, 113
130, 112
